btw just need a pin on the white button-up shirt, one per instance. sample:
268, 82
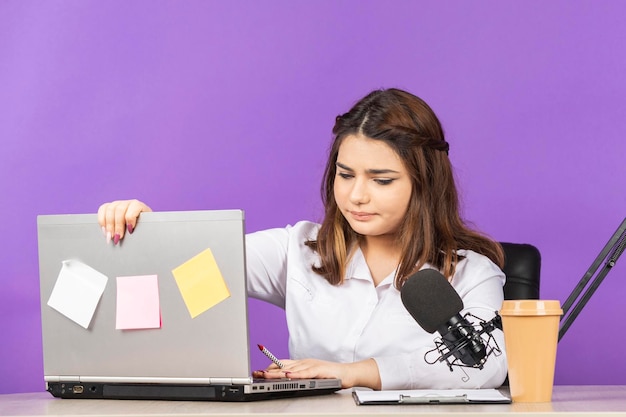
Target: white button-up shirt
358, 320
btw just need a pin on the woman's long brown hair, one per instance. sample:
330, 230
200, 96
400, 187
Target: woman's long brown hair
432, 230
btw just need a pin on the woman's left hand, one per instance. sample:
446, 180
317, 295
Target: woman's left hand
362, 374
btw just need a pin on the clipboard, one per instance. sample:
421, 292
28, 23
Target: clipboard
452, 396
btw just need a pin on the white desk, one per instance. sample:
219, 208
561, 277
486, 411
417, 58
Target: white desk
573, 400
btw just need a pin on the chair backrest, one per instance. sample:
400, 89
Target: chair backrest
522, 267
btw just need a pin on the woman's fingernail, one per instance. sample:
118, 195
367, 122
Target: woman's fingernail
130, 228
104, 231
108, 237
287, 374
116, 239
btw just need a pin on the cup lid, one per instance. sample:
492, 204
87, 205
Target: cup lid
531, 308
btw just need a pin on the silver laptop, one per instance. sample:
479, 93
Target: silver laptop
161, 315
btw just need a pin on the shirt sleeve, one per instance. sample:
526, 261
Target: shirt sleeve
271, 253
479, 283
266, 265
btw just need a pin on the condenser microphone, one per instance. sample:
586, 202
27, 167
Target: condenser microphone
436, 306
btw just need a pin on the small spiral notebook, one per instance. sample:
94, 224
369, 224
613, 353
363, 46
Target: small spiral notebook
453, 396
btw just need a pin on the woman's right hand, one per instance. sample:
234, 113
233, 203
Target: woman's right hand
118, 216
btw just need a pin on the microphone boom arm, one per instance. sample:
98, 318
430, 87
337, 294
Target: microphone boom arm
611, 252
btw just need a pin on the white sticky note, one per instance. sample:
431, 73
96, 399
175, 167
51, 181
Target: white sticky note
77, 291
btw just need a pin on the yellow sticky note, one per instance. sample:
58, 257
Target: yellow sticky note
201, 283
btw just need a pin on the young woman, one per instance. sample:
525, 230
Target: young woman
391, 208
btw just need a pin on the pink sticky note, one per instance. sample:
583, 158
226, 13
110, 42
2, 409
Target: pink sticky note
138, 303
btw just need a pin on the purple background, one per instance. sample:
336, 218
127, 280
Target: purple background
230, 104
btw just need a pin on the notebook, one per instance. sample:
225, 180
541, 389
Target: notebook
161, 315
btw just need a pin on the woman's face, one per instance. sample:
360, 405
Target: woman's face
372, 186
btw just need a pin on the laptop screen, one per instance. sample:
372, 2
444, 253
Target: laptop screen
168, 303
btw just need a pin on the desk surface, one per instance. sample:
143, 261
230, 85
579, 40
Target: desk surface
573, 400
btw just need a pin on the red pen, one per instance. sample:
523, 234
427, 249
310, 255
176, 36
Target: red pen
270, 356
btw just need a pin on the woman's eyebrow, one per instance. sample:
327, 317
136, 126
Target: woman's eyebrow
342, 166
369, 171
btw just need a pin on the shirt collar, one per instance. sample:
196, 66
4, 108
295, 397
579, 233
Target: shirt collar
357, 269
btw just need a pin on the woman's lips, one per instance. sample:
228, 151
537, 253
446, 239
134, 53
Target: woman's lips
361, 216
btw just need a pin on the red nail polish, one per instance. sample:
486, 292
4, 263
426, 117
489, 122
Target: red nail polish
130, 228
116, 239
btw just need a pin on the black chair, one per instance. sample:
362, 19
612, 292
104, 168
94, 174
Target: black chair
522, 267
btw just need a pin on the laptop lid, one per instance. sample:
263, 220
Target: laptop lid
145, 310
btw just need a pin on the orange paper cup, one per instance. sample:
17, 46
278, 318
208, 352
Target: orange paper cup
531, 329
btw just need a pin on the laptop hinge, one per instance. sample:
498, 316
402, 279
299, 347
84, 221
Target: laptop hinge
61, 378
232, 381
151, 380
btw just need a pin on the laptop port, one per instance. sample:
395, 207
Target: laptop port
78, 389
